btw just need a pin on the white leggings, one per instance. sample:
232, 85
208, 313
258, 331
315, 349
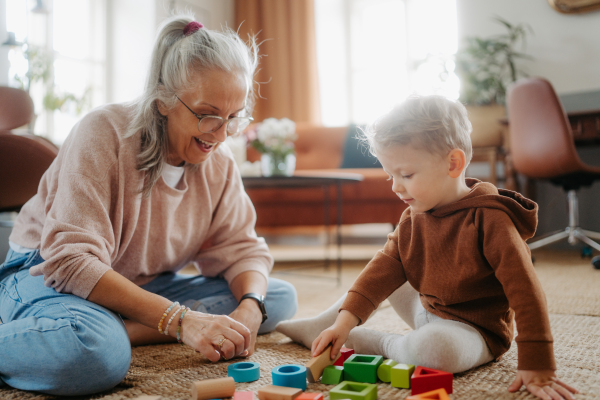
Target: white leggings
437, 343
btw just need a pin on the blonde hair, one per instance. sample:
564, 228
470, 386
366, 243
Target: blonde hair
175, 58
432, 123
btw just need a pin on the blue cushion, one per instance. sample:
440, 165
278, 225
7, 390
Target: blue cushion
356, 152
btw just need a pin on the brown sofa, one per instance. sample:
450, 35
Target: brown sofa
321, 148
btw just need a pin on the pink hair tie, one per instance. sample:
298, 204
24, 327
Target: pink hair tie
191, 28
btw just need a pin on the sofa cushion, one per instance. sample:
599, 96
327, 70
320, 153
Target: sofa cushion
356, 151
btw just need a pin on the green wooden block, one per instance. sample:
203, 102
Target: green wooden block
401, 374
354, 391
362, 368
332, 375
384, 372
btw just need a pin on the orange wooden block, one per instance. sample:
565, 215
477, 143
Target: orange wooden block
272, 392
310, 396
213, 388
317, 364
438, 394
243, 396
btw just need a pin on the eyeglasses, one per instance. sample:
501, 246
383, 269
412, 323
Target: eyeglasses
212, 123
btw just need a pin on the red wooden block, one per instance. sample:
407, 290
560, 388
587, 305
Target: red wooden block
428, 379
310, 396
243, 396
438, 394
344, 354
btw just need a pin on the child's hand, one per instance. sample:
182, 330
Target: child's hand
336, 334
543, 384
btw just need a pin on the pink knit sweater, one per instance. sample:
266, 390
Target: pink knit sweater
88, 216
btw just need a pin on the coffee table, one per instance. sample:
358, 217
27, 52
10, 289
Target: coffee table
303, 179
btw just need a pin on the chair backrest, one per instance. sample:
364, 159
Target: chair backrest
23, 160
541, 140
16, 108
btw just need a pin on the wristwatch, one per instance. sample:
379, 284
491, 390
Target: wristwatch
260, 299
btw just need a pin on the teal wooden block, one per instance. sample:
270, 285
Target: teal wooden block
362, 368
354, 391
332, 375
384, 371
401, 374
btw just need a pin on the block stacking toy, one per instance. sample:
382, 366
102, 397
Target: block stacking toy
290, 375
317, 364
354, 391
427, 379
213, 388
439, 394
362, 368
244, 371
332, 375
400, 375
271, 392
310, 396
344, 354
384, 371
243, 396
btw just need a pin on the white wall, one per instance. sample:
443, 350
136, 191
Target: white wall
3, 49
132, 27
566, 47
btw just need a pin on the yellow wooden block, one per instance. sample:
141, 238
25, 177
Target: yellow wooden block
315, 367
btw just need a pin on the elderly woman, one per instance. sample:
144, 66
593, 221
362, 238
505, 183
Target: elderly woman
136, 193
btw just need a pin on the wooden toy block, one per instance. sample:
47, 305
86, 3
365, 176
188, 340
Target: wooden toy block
427, 379
384, 371
317, 364
271, 392
243, 396
438, 394
345, 353
290, 375
362, 368
354, 391
310, 396
400, 375
332, 375
244, 371
212, 388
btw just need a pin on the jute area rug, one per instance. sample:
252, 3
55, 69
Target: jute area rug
572, 288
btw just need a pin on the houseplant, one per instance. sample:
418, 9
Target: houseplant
486, 66
274, 139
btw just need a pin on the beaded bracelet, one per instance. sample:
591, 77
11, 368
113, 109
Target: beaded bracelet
175, 303
166, 331
179, 325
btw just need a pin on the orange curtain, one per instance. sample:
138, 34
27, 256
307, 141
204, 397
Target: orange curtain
288, 82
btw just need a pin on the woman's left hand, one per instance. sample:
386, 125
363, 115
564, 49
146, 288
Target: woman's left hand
248, 314
543, 384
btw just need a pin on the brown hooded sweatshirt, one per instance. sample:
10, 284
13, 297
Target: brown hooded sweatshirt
470, 263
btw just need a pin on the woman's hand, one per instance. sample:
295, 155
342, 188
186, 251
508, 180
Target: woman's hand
214, 336
249, 315
336, 334
543, 384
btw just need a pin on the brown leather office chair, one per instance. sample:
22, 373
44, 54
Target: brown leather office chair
23, 157
542, 147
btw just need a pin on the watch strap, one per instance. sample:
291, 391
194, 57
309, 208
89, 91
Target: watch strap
260, 300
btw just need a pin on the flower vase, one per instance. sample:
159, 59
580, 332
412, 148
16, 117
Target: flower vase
277, 165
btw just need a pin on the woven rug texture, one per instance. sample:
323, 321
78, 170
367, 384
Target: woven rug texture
572, 289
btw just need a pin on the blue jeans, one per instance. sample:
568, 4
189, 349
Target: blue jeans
63, 345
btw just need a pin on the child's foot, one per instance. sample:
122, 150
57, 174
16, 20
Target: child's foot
306, 330
366, 341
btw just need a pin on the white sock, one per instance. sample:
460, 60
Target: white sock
366, 341
306, 330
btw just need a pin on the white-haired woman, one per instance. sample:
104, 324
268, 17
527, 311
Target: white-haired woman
137, 192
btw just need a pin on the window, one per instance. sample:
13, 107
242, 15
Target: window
374, 53
61, 61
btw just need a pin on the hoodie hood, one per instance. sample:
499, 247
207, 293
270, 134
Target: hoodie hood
521, 210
